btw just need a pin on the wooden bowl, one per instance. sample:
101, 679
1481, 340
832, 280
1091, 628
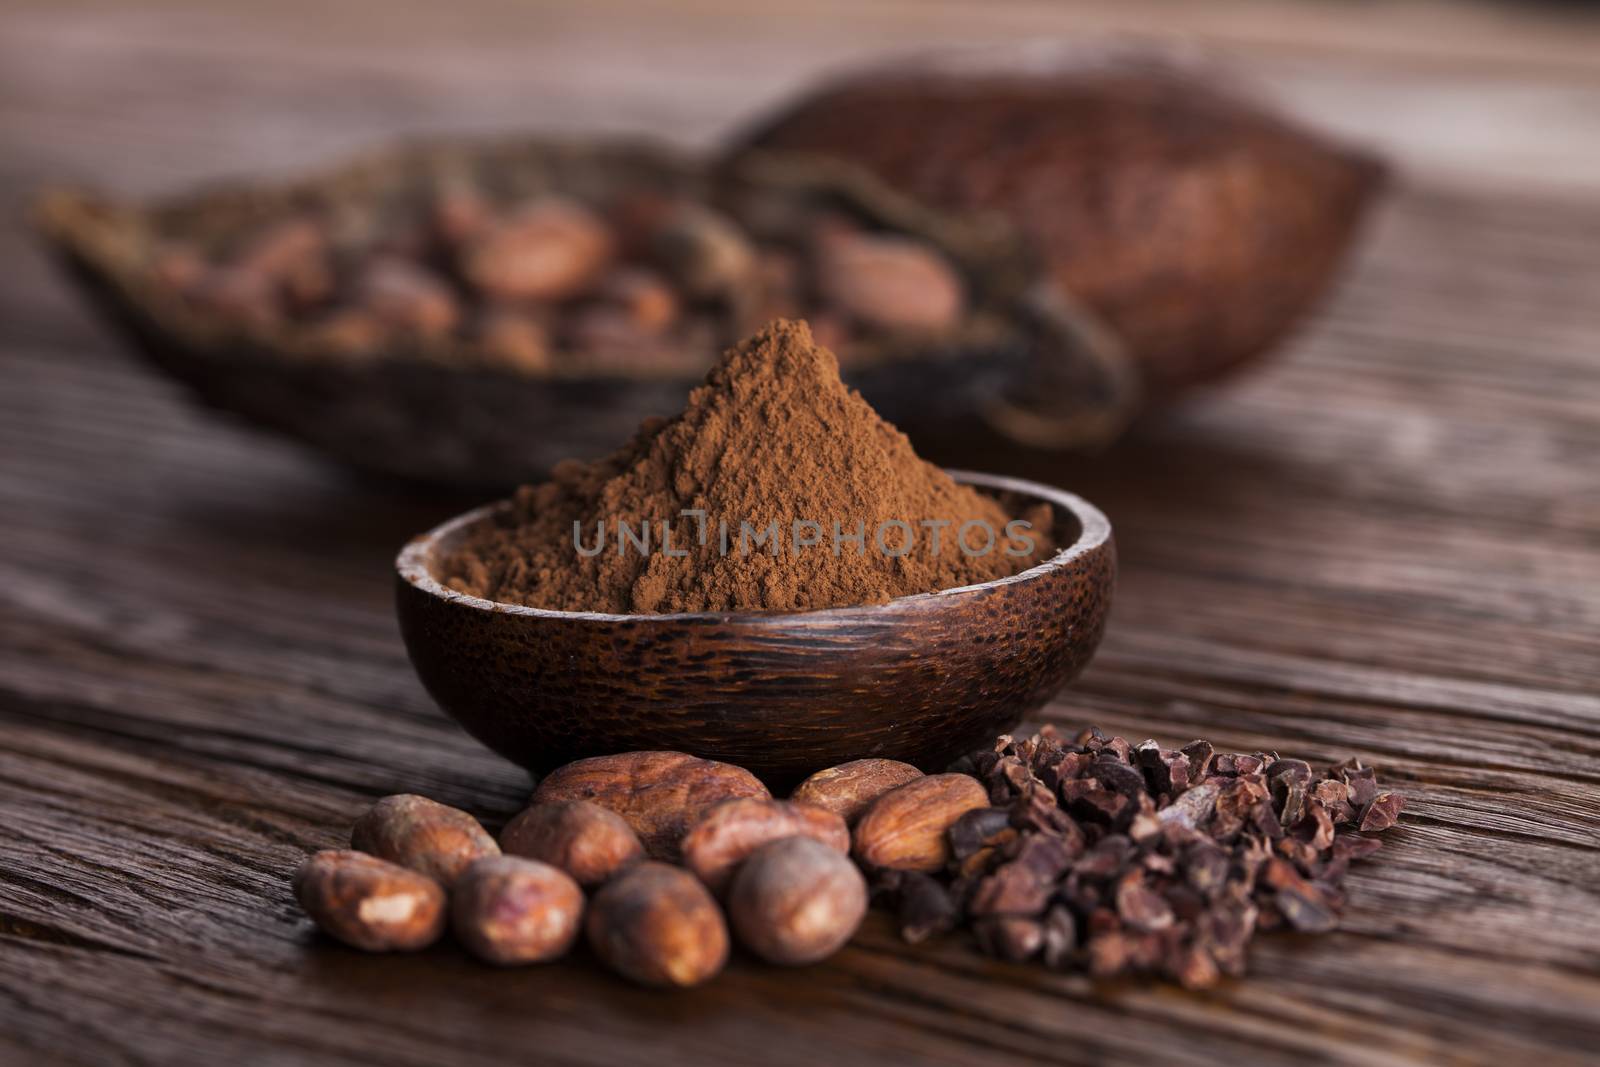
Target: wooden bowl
922, 678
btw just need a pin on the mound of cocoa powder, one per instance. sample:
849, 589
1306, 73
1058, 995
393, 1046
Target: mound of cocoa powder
772, 436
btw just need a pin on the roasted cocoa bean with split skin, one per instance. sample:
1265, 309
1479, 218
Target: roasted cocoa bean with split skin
369, 903
850, 788
591, 843
510, 910
413, 831
796, 901
731, 831
905, 828
659, 926
660, 794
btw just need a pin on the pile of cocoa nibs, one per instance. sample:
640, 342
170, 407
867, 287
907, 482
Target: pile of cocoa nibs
1097, 856
1117, 859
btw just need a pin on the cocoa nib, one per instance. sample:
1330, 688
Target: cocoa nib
1100, 856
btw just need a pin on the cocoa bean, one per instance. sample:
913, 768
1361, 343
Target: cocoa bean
796, 901
658, 926
369, 903
660, 794
510, 910
733, 830
591, 843
422, 834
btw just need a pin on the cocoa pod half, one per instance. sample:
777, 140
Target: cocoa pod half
1196, 225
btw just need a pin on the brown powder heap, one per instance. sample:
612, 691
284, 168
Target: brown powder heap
773, 436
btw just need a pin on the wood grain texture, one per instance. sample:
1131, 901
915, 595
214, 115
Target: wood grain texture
1387, 544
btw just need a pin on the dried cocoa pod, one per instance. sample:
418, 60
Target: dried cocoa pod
660, 794
591, 843
796, 901
731, 831
850, 788
448, 413
905, 829
437, 840
1196, 225
369, 903
658, 926
511, 910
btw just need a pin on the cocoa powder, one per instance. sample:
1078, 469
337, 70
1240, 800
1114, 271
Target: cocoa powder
772, 439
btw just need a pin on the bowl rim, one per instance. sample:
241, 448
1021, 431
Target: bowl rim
1094, 531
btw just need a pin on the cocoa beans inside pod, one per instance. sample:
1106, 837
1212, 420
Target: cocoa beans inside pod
660, 794
471, 313
1190, 220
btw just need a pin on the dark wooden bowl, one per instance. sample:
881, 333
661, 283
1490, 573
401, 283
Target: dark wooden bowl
923, 678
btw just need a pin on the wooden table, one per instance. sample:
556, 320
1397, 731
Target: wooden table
1384, 544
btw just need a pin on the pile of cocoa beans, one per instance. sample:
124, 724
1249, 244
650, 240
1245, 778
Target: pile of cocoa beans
1091, 855
629, 283
652, 855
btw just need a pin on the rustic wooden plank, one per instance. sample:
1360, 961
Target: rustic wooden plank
1462, 95
1387, 543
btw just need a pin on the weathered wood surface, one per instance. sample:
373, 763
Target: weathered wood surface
1387, 544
